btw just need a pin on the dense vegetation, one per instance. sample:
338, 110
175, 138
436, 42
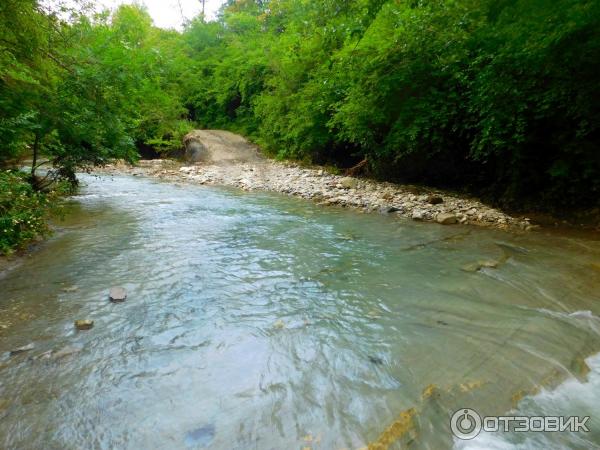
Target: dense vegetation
24, 212
497, 96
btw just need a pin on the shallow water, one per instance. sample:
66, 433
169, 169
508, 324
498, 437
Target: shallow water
257, 321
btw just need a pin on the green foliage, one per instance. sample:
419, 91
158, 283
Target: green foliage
23, 211
501, 97
171, 139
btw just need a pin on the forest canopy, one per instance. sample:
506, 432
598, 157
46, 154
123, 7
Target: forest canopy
498, 97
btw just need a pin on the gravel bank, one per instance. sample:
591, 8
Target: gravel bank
316, 184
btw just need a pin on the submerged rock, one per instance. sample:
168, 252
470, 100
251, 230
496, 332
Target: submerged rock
388, 209
83, 325
117, 294
46, 355
4, 405
471, 267
70, 289
25, 348
477, 266
66, 351
376, 360
489, 264
200, 437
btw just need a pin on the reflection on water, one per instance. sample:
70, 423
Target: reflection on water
256, 321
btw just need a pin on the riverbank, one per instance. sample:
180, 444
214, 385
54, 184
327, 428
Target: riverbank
316, 184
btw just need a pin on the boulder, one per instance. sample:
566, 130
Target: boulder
117, 294
446, 218
83, 325
418, 215
349, 183
195, 151
434, 199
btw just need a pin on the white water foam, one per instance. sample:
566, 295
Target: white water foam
570, 398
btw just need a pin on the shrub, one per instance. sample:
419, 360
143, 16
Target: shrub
23, 211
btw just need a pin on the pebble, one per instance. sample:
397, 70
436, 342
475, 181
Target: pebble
84, 325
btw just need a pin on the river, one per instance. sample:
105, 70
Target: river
259, 321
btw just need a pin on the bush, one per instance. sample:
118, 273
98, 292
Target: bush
23, 211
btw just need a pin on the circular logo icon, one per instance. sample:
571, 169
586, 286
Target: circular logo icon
465, 424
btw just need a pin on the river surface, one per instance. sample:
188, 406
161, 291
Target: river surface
258, 321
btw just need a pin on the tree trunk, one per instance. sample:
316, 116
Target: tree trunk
36, 148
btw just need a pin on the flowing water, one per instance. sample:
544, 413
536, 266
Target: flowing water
258, 321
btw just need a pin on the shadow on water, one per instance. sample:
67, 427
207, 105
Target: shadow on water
260, 321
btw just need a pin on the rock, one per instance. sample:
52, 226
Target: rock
70, 289
489, 264
83, 325
477, 266
348, 183
375, 360
418, 215
46, 355
117, 294
201, 437
434, 199
195, 151
25, 348
66, 351
446, 218
4, 405
471, 267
